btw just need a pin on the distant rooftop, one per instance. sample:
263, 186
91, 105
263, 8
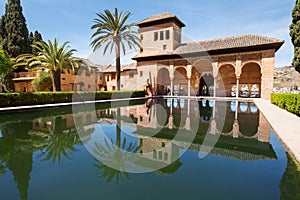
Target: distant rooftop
160, 17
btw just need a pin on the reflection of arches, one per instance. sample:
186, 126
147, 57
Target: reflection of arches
227, 77
251, 75
248, 124
205, 110
243, 107
163, 80
206, 85
180, 81
253, 108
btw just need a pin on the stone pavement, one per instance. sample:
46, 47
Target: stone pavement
285, 124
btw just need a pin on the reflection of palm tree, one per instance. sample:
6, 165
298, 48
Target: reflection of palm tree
121, 158
116, 158
61, 142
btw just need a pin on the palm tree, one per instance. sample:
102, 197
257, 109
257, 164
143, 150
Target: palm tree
112, 31
53, 57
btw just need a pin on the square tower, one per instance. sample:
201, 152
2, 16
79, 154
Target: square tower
160, 32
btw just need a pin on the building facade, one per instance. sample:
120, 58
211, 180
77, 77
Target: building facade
233, 66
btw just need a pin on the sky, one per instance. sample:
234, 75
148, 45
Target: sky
71, 20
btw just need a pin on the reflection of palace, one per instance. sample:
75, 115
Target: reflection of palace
244, 131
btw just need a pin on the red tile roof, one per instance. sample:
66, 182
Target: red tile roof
160, 17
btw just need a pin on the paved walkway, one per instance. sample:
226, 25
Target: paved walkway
285, 124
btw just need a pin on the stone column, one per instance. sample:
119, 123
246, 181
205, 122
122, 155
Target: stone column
215, 75
238, 71
267, 72
171, 74
189, 75
237, 86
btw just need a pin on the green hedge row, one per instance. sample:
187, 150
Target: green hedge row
38, 98
290, 102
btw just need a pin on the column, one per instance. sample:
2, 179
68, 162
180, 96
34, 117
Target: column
189, 75
171, 87
189, 87
171, 74
237, 86
215, 75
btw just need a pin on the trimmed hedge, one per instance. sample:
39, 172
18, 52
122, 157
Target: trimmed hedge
289, 102
38, 98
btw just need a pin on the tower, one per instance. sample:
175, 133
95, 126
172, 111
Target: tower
160, 32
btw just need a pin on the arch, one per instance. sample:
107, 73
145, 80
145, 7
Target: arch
180, 81
248, 124
163, 81
250, 76
206, 85
226, 80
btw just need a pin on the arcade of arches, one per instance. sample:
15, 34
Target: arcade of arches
210, 78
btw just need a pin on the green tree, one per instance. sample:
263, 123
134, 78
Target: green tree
6, 66
53, 57
43, 82
295, 35
112, 31
33, 38
13, 30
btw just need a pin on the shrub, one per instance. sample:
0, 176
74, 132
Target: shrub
37, 98
290, 102
43, 82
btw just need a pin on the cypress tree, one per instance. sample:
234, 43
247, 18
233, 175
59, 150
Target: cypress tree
33, 38
13, 30
295, 35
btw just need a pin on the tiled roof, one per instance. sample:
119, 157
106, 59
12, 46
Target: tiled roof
242, 41
159, 17
235, 42
111, 68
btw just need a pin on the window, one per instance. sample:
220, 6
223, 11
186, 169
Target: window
141, 118
164, 47
161, 35
141, 73
113, 87
155, 36
107, 78
89, 86
167, 34
131, 75
113, 77
122, 85
163, 145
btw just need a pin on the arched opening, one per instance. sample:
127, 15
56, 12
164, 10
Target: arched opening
202, 81
195, 82
226, 81
180, 82
163, 81
206, 87
251, 76
248, 123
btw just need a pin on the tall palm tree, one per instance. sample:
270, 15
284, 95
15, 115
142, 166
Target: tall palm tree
52, 56
112, 31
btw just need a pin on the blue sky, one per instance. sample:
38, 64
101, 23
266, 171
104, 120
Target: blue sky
70, 20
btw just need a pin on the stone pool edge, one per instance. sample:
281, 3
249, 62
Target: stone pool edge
284, 125
29, 107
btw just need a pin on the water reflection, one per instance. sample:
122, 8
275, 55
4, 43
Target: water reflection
139, 137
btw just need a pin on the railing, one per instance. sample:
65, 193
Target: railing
25, 74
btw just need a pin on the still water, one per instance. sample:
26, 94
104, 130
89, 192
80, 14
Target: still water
159, 149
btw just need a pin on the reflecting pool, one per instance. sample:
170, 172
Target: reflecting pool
154, 149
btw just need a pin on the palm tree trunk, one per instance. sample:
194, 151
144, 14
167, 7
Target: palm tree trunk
56, 81
118, 64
